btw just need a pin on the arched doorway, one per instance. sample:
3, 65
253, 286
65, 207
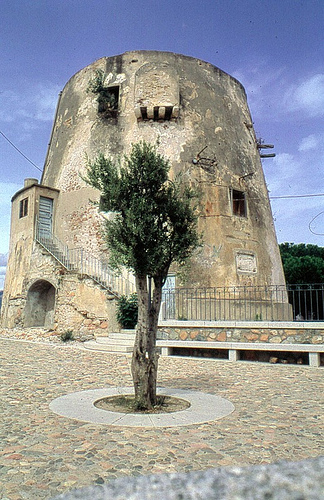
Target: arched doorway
39, 310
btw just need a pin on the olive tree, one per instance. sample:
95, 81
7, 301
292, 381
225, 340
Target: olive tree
155, 224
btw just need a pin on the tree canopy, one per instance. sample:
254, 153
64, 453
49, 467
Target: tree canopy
155, 223
302, 263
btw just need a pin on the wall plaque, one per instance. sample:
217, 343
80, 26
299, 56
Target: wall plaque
246, 263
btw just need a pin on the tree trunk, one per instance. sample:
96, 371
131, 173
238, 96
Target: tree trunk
145, 357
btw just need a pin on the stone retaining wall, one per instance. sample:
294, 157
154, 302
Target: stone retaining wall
276, 333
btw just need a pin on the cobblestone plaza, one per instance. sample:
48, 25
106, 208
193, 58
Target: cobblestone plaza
278, 416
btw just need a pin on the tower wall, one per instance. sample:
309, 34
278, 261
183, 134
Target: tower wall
201, 118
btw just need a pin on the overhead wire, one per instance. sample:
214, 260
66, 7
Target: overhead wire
296, 196
271, 197
20, 152
309, 225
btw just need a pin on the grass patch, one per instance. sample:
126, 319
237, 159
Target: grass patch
125, 403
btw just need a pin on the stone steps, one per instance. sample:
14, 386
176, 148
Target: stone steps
93, 345
123, 335
116, 342
121, 342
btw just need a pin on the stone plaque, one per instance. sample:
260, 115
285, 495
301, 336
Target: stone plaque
246, 263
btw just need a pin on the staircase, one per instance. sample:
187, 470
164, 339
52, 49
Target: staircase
121, 343
80, 261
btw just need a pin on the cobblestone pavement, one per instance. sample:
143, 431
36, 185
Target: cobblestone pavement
278, 415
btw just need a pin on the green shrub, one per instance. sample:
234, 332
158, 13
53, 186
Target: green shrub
127, 311
67, 335
106, 96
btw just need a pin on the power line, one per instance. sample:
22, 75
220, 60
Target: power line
20, 152
296, 196
271, 197
309, 225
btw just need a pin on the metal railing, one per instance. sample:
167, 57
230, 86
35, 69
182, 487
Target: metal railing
245, 303
80, 261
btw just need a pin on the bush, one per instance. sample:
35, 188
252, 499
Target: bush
127, 311
67, 335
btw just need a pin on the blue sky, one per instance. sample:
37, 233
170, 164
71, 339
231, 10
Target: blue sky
275, 48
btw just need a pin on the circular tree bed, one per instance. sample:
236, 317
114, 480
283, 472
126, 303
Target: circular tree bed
125, 403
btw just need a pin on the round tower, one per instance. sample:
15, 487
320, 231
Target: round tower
201, 118
57, 270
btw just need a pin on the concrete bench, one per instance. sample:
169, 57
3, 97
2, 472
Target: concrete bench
314, 350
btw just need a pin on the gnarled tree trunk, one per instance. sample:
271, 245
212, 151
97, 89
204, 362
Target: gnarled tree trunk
145, 357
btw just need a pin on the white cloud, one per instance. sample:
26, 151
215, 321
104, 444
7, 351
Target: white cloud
271, 90
282, 174
263, 85
32, 103
307, 96
308, 143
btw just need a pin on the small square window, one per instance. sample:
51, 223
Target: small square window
23, 208
108, 101
238, 203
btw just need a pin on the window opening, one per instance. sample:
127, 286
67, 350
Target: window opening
23, 208
168, 112
144, 113
238, 203
157, 113
108, 101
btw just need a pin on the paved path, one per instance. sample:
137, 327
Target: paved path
278, 415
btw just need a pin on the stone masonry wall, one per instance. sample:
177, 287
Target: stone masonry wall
85, 308
255, 333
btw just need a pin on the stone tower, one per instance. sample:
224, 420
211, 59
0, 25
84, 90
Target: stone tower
201, 118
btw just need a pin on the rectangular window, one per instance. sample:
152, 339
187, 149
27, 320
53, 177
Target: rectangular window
23, 208
108, 102
238, 203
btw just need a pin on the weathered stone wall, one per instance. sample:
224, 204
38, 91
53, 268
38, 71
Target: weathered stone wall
254, 332
208, 136
81, 305
85, 308
201, 118
24, 260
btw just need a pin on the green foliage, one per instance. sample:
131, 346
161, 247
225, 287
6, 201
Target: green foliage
156, 219
302, 263
107, 100
67, 335
127, 311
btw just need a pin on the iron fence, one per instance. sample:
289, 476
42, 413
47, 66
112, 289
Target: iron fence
245, 303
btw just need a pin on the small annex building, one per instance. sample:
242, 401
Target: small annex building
58, 275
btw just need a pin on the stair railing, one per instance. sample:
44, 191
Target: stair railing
81, 261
